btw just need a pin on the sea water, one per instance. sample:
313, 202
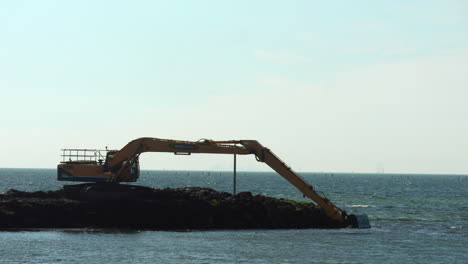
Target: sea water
414, 218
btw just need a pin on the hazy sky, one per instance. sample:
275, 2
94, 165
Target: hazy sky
333, 86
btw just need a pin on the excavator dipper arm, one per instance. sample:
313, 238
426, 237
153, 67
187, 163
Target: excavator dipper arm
265, 155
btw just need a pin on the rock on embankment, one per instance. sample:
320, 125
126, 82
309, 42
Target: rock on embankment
137, 207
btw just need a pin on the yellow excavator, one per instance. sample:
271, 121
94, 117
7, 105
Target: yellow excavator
89, 165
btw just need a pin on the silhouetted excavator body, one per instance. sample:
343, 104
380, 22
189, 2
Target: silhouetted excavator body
123, 166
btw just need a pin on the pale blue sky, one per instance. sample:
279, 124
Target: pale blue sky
329, 86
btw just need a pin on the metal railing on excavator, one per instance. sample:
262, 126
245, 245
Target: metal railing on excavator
83, 155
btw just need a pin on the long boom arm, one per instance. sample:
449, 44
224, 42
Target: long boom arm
128, 155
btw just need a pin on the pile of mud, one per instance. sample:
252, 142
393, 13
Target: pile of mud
144, 208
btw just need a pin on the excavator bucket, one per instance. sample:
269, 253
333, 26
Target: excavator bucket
359, 221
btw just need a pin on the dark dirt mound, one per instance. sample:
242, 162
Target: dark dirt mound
138, 207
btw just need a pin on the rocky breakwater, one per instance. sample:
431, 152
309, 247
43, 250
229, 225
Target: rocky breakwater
138, 207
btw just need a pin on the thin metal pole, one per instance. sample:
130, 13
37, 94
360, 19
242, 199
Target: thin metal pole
235, 175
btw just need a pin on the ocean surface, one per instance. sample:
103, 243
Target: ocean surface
414, 218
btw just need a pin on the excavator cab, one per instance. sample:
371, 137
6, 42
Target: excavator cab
129, 175
89, 165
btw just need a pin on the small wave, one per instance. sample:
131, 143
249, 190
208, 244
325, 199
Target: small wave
361, 206
398, 219
405, 219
